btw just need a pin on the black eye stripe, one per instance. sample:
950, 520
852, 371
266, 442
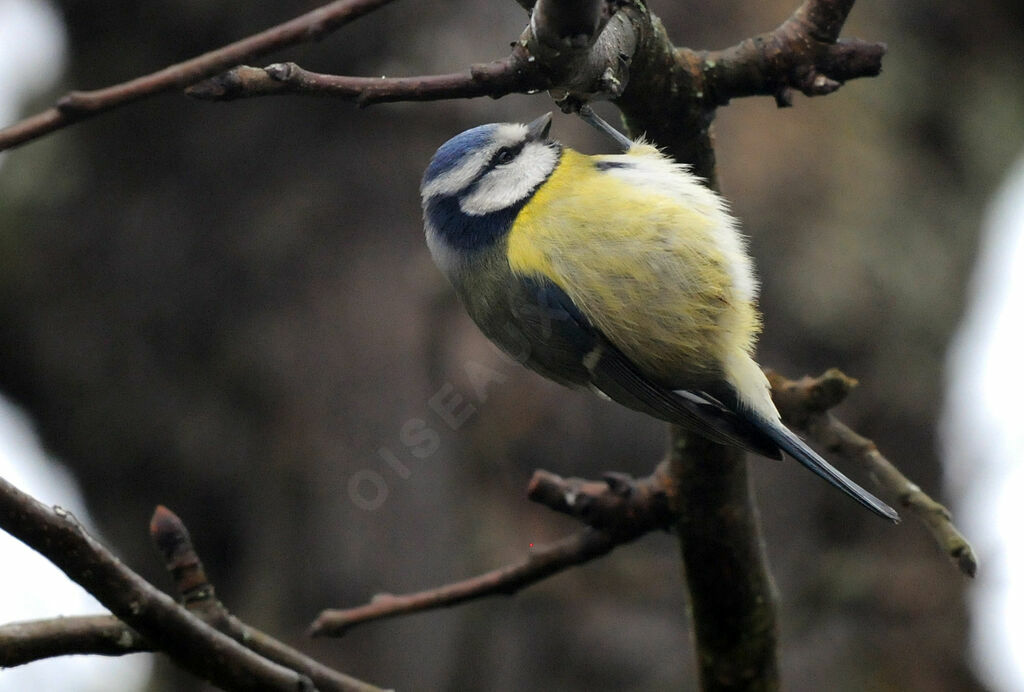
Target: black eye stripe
505, 155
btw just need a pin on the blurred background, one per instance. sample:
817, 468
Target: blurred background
229, 309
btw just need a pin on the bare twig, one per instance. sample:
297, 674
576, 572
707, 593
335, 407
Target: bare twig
79, 105
25, 642
172, 539
590, 60
194, 645
542, 562
105, 635
617, 510
512, 75
805, 405
803, 53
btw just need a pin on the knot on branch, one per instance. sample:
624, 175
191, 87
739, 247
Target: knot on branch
619, 504
584, 47
569, 24
799, 401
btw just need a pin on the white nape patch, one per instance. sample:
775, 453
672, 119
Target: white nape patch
511, 182
458, 178
649, 169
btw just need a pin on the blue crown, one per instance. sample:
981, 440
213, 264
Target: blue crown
456, 148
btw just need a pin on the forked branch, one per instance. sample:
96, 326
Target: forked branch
805, 404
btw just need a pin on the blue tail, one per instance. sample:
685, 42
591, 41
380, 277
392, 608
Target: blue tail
798, 449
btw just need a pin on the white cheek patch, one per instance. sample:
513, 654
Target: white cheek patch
510, 183
458, 178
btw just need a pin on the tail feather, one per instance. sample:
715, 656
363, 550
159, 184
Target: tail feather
798, 449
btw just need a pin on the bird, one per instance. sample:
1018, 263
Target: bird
619, 273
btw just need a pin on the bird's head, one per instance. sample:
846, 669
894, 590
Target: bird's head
478, 180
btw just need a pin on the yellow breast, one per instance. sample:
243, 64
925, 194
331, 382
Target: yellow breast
645, 263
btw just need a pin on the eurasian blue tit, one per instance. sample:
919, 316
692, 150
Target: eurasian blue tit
621, 273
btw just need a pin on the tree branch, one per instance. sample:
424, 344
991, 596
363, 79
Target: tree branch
514, 74
33, 640
618, 510
25, 642
584, 54
732, 598
805, 405
79, 105
803, 53
194, 646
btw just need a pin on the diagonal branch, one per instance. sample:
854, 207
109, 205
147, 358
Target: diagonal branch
617, 511
805, 404
24, 642
192, 644
79, 105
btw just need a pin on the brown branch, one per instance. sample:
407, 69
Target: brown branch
569, 24
805, 405
194, 645
554, 52
174, 543
79, 105
803, 53
25, 642
104, 635
618, 510
514, 74
732, 598
542, 562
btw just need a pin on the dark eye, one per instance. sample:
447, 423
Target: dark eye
504, 155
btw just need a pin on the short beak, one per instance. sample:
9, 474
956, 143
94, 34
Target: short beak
539, 128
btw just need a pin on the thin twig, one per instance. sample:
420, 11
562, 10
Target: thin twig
514, 74
173, 541
79, 105
194, 645
805, 405
542, 562
33, 640
617, 510
24, 642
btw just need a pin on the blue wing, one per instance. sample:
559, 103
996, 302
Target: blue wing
563, 345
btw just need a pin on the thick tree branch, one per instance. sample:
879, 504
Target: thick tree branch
805, 403
617, 511
569, 24
79, 105
732, 598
